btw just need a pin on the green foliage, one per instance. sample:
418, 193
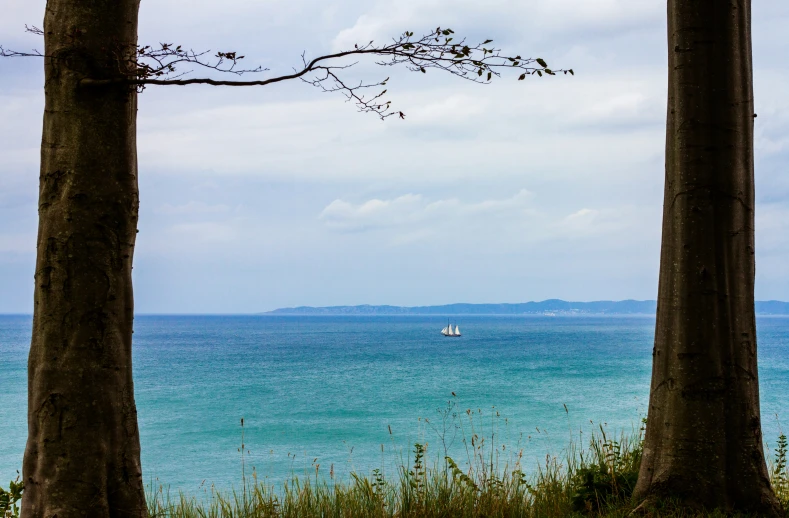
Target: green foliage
460, 478
416, 477
597, 480
8, 499
490, 482
609, 474
779, 473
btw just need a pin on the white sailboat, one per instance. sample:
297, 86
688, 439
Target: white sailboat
448, 331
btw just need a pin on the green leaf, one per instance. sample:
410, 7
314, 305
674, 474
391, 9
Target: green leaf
486, 42
490, 74
541, 62
539, 73
522, 77
571, 72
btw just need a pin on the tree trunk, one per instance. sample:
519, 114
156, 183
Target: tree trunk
703, 442
83, 450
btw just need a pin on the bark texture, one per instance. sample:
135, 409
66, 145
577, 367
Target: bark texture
703, 441
83, 452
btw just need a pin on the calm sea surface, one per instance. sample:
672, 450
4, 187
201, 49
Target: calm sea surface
327, 390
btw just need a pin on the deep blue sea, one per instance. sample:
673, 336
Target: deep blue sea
328, 390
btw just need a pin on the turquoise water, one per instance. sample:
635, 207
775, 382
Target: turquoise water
330, 388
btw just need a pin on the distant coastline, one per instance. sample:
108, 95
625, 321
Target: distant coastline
546, 307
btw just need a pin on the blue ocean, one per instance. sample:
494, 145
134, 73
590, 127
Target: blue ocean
355, 393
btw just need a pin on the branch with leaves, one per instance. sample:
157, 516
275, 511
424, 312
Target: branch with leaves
437, 50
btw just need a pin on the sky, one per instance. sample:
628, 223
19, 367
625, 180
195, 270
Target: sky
258, 198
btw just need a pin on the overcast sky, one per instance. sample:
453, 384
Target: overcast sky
258, 198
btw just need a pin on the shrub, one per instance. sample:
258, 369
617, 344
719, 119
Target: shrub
607, 474
9, 499
780, 472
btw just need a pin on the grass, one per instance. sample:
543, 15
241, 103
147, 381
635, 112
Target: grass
596, 480
441, 489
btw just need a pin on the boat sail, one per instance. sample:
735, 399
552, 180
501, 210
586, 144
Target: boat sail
448, 331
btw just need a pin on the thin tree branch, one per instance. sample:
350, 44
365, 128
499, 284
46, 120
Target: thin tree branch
435, 50
182, 82
7, 53
311, 66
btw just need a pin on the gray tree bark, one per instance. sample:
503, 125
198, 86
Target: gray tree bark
703, 442
83, 452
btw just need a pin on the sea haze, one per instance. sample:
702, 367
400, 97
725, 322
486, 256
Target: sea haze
330, 387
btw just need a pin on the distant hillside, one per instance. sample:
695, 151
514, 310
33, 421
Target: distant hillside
772, 307
554, 306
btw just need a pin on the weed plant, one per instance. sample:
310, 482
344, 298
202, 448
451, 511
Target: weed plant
594, 480
9, 500
779, 471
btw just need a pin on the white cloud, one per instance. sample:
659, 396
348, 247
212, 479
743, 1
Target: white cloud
583, 217
593, 223
388, 18
374, 213
451, 132
414, 210
517, 221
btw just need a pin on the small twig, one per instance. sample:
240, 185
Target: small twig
7, 53
32, 29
